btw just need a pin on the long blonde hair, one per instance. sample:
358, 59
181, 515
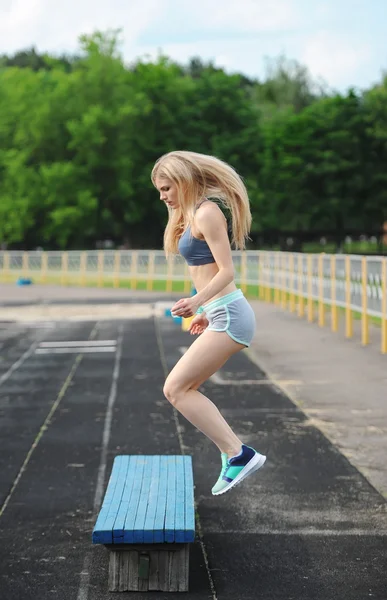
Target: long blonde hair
198, 176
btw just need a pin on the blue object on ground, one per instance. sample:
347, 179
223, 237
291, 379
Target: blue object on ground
24, 281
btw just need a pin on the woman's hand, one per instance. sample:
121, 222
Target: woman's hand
198, 324
186, 307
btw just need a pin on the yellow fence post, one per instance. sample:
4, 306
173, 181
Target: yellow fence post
292, 277
384, 306
25, 264
277, 278
43, 267
187, 279
168, 287
334, 311
283, 291
7, 266
348, 309
256, 287
301, 303
100, 268
244, 272
117, 269
268, 274
265, 275
321, 307
64, 268
82, 269
365, 329
186, 322
260, 274
151, 271
133, 270
310, 289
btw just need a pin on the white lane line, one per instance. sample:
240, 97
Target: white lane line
304, 531
78, 350
75, 344
83, 589
46, 423
19, 362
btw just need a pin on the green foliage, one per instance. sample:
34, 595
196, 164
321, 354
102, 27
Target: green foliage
79, 136
317, 166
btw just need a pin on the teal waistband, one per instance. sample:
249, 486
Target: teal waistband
223, 300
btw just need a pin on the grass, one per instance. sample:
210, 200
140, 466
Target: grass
158, 285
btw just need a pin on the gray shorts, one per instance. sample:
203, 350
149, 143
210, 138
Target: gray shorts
233, 314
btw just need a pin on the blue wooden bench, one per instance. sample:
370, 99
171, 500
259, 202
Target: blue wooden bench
147, 521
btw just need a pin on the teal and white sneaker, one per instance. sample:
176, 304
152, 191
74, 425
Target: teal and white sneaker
237, 468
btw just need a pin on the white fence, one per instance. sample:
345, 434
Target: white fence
293, 280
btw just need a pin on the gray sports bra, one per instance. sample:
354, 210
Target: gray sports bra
195, 251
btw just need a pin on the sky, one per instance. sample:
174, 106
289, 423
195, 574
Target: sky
341, 42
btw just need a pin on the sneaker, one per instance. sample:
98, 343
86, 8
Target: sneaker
237, 468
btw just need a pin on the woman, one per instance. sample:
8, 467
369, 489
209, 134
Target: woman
197, 229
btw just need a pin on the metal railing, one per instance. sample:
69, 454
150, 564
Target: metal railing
309, 284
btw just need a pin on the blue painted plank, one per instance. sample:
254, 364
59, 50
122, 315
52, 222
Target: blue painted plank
113, 479
180, 500
171, 501
189, 501
134, 500
119, 523
158, 530
98, 535
138, 528
153, 502
115, 501
149, 499
101, 532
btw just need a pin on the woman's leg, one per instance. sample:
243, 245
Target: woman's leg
202, 359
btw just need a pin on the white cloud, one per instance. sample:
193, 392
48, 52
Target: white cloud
335, 58
338, 60
15, 19
246, 15
325, 10
243, 56
234, 34
56, 27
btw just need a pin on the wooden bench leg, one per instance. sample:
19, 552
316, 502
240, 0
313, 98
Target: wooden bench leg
148, 567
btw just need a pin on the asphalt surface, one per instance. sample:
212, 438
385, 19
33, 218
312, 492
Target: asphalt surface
307, 526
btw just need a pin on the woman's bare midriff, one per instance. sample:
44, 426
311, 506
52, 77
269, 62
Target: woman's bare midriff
201, 276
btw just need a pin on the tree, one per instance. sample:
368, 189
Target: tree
287, 84
316, 165
78, 142
375, 102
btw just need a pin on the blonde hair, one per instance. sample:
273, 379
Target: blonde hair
198, 176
